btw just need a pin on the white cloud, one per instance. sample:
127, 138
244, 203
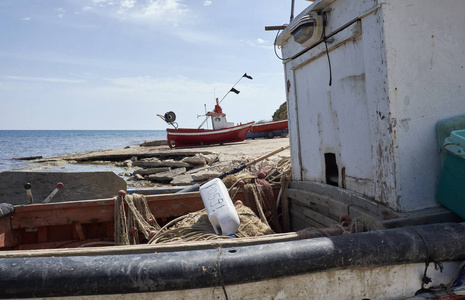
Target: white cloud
180, 84
61, 12
166, 10
104, 2
26, 19
150, 11
43, 79
207, 3
260, 43
128, 3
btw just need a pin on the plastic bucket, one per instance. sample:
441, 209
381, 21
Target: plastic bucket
451, 188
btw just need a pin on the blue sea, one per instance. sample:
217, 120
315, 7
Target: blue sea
50, 143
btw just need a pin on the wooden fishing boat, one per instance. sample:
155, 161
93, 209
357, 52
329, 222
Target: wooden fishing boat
66, 250
188, 137
222, 132
268, 129
80, 223
361, 153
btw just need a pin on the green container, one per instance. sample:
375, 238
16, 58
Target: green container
451, 189
458, 137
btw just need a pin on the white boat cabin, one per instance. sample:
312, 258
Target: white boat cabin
366, 83
218, 118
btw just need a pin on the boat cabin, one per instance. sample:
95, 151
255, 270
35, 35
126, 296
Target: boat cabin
219, 118
366, 83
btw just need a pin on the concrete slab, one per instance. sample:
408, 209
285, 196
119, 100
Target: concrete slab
77, 186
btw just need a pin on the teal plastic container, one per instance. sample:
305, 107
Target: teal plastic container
451, 189
458, 136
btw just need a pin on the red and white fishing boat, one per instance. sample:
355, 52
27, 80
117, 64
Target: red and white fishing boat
222, 132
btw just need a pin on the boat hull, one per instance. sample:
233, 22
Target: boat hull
186, 137
268, 130
371, 265
270, 126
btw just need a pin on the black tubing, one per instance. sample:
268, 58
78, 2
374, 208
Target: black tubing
116, 274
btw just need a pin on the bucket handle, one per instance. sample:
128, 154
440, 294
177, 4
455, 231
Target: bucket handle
450, 152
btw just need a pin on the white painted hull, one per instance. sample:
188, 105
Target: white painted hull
386, 264
387, 282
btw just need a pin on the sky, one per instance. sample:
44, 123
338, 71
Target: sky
116, 64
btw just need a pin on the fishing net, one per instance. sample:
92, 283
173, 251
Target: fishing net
258, 191
132, 219
196, 227
258, 214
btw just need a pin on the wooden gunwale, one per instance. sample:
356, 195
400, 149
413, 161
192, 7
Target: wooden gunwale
157, 248
78, 223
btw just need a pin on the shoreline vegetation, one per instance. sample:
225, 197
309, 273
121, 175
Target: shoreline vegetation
154, 165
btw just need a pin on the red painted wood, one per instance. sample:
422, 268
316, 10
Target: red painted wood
270, 126
185, 137
70, 224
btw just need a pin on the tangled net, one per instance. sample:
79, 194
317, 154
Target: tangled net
259, 201
258, 192
196, 227
139, 219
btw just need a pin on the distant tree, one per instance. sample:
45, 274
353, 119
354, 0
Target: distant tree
280, 113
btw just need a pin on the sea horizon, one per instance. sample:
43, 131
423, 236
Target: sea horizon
20, 143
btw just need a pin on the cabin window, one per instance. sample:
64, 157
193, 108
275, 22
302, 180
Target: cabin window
332, 174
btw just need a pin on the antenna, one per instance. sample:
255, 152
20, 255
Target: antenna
205, 108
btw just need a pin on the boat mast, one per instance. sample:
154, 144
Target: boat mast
233, 89
292, 10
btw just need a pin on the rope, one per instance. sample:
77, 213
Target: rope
196, 227
133, 216
139, 219
425, 279
120, 227
283, 168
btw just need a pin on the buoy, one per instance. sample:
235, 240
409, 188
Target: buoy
220, 209
345, 220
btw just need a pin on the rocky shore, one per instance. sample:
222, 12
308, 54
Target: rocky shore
154, 164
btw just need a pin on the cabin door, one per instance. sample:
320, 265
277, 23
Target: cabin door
331, 123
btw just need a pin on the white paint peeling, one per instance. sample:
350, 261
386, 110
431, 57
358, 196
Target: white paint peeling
395, 73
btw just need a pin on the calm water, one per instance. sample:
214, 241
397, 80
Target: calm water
49, 143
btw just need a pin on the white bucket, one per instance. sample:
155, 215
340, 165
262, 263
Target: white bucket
220, 209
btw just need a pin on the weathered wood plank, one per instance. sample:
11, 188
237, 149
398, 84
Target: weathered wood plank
320, 203
102, 210
311, 214
305, 222
285, 205
158, 248
345, 196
